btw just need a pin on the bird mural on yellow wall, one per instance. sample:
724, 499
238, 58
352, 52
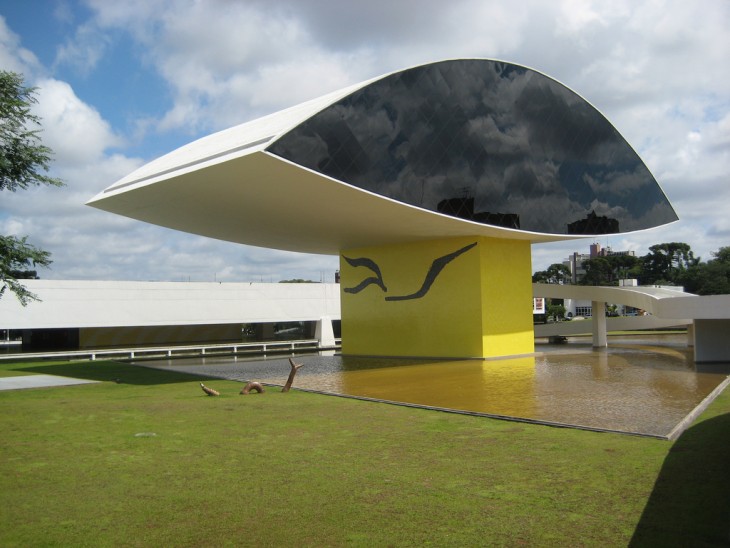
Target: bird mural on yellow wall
436, 267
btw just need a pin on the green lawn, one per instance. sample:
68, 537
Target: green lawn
80, 466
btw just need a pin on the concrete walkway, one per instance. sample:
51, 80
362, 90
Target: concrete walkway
708, 316
38, 381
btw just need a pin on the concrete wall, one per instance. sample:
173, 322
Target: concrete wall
712, 340
87, 304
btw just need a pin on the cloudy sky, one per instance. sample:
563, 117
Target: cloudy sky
121, 83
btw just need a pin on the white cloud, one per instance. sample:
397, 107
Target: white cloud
227, 61
73, 129
579, 15
84, 50
13, 57
63, 12
655, 68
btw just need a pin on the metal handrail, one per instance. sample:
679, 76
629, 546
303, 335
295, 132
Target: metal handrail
259, 347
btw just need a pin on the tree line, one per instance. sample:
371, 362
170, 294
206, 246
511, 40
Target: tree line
671, 263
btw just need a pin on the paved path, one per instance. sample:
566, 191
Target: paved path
38, 381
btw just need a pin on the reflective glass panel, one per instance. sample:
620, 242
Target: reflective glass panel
487, 141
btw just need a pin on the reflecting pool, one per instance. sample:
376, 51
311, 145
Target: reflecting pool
637, 385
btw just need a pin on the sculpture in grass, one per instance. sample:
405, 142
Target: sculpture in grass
294, 368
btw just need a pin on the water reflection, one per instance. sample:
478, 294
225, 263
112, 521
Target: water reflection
485, 387
635, 386
524, 150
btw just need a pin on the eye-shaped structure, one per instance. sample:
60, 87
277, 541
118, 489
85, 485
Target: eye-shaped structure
466, 147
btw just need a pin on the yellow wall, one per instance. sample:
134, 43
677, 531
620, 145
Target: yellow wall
478, 305
506, 282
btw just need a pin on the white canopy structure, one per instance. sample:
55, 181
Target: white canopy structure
467, 147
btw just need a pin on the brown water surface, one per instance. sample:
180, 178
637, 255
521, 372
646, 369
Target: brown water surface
637, 385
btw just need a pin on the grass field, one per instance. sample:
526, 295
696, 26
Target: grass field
152, 461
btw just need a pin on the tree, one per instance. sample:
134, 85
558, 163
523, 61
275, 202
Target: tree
23, 159
609, 270
556, 311
15, 256
666, 263
722, 255
625, 266
599, 271
556, 273
710, 278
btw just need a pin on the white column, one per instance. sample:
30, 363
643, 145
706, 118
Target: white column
599, 324
712, 343
324, 333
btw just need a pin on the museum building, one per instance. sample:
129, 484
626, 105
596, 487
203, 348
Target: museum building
430, 183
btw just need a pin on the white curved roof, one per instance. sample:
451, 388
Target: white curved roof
226, 186
241, 139
660, 302
259, 199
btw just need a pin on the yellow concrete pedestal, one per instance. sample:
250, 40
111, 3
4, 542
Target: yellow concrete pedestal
449, 298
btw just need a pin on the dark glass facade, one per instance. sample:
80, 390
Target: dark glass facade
487, 141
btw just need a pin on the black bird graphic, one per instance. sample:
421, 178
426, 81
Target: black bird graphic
436, 267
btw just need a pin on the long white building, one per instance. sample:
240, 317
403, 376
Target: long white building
96, 314
92, 314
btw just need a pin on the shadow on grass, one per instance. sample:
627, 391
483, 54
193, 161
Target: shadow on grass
110, 371
690, 503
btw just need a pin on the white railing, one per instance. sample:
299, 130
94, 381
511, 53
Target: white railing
261, 347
